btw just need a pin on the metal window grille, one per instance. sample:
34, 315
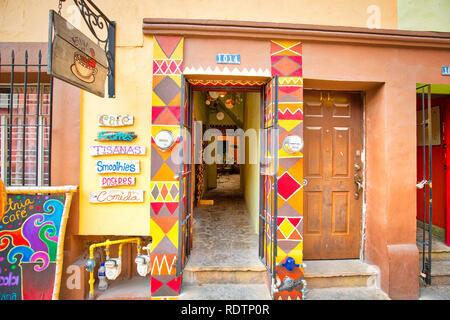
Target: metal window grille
25, 122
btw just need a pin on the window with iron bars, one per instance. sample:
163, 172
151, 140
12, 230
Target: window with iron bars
25, 126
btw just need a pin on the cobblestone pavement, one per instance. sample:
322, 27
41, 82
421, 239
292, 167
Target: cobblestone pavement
223, 230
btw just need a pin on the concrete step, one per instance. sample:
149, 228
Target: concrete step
439, 250
224, 292
437, 254
346, 293
339, 273
224, 275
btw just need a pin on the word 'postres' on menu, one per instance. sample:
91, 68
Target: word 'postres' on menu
112, 150
108, 181
117, 166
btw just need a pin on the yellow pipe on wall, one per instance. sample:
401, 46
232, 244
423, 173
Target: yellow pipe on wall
107, 244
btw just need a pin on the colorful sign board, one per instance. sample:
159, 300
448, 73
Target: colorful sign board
113, 150
116, 195
29, 235
446, 70
117, 181
111, 120
116, 136
117, 166
76, 59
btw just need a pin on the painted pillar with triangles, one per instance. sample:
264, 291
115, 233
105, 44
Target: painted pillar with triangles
286, 62
164, 186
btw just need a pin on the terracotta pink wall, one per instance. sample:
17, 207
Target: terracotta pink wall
388, 75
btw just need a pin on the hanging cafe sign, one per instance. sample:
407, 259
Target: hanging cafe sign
75, 58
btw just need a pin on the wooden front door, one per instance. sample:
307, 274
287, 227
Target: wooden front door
332, 163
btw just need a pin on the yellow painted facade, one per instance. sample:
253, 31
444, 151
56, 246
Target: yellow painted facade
27, 21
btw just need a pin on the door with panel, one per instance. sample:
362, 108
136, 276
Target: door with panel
333, 174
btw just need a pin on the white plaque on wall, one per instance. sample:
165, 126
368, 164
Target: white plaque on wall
112, 120
116, 195
113, 181
112, 150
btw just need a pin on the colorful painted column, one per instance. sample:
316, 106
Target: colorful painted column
286, 60
164, 188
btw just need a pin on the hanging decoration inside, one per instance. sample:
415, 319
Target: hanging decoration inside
220, 116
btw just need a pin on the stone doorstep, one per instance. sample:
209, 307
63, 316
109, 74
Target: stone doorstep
318, 274
347, 293
339, 273
326, 280
225, 275
225, 292
440, 273
437, 255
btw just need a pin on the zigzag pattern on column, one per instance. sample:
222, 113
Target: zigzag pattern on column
286, 59
164, 189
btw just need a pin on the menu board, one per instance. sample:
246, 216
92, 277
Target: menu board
29, 237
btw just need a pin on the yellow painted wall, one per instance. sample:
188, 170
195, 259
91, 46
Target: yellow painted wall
200, 114
251, 171
27, 20
133, 96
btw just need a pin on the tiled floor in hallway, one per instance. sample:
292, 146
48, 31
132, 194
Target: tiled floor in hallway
223, 235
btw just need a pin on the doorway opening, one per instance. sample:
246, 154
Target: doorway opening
433, 210
226, 179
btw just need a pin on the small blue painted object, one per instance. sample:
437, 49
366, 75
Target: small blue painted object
290, 264
446, 70
90, 264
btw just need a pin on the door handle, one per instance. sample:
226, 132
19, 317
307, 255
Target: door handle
359, 186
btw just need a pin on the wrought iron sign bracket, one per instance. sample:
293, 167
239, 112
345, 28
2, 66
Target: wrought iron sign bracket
96, 21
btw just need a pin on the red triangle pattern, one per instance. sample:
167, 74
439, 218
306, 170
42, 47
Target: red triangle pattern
168, 44
155, 284
156, 206
275, 47
175, 284
166, 118
175, 111
172, 206
155, 112
294, 221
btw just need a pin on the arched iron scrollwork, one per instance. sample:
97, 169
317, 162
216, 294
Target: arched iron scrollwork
94, 18
97, 21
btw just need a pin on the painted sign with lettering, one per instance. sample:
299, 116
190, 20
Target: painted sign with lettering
116, 195
117, 166
117, 181
118, 120
228, 58
76, 59
446, 70
116, 136
29, 235
112, 150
